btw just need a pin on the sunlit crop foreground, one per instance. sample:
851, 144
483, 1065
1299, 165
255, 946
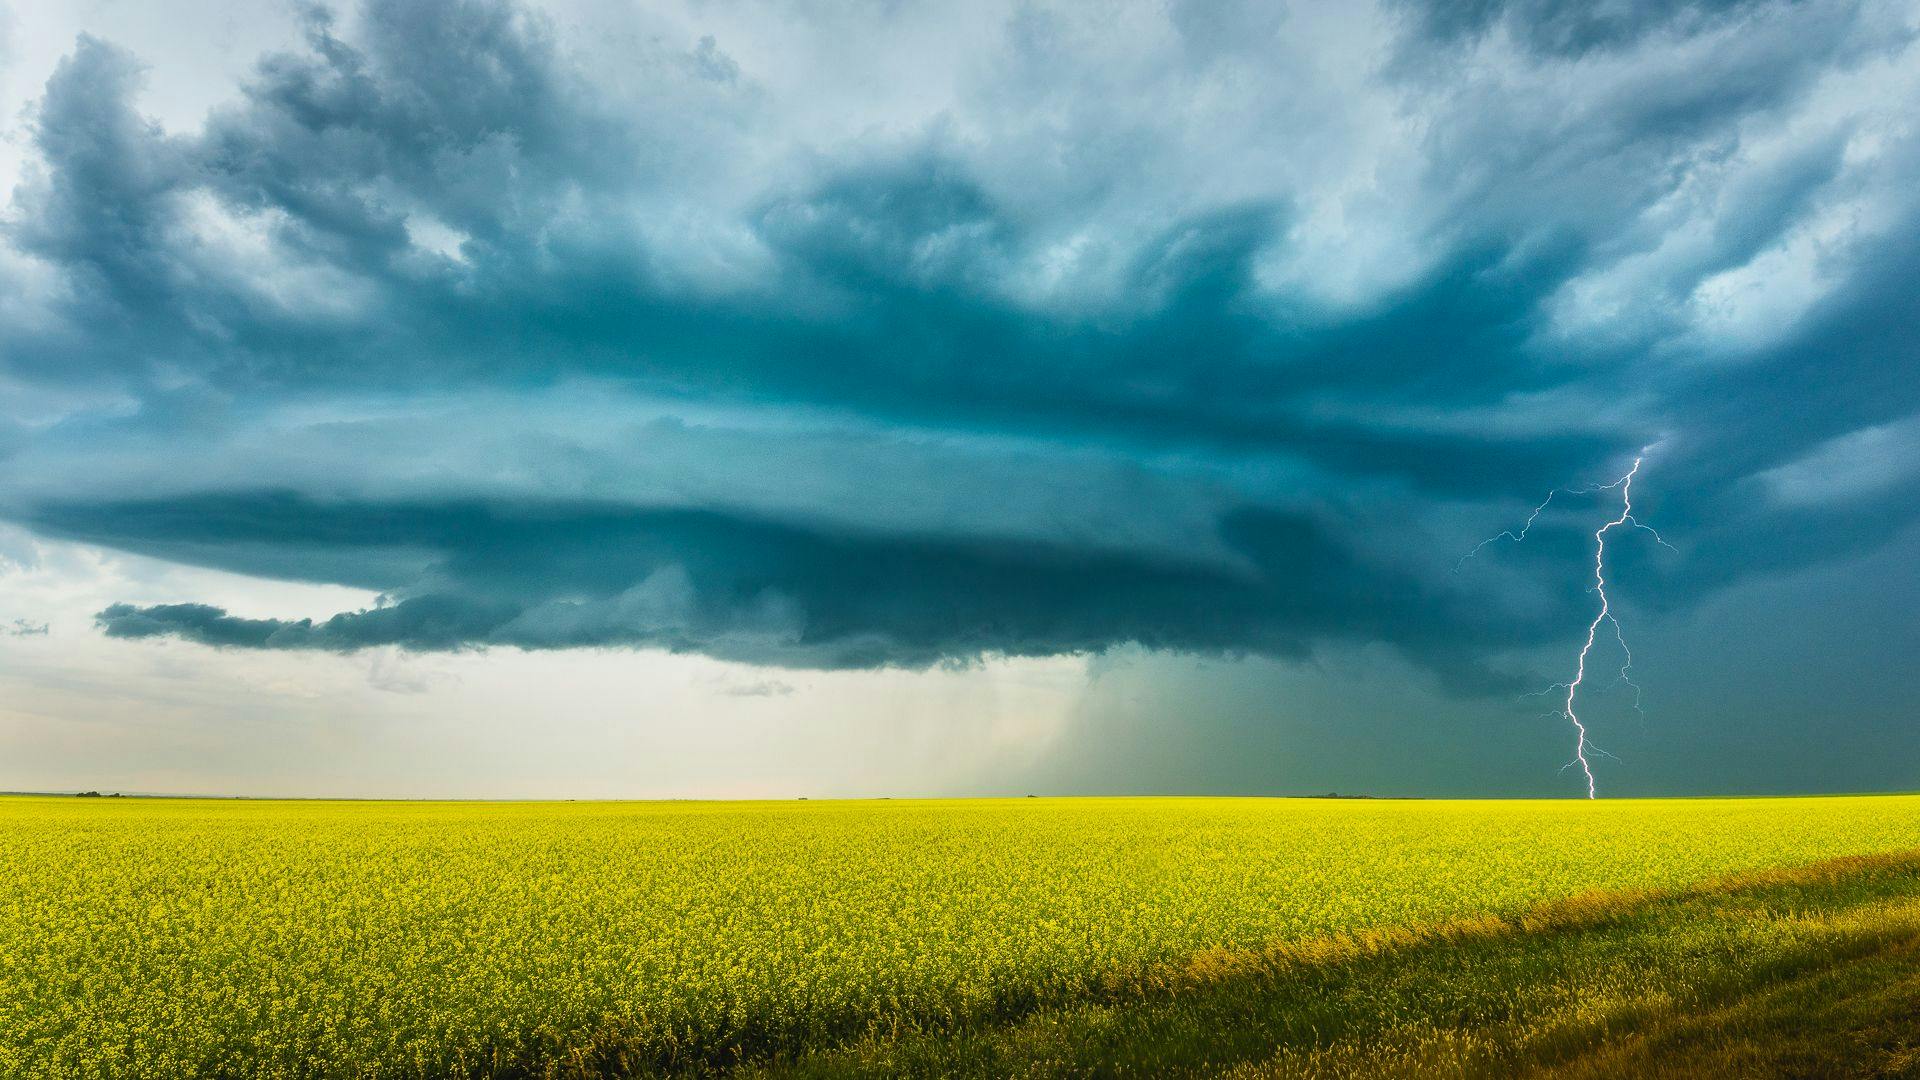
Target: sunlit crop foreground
163, 937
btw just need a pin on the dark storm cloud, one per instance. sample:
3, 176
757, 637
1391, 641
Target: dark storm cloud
444, 202
887, 268
1569, 29
569, 576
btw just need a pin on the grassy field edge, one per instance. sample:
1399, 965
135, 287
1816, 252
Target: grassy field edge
1714, 979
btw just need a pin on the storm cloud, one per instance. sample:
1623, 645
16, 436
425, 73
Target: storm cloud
1193, 327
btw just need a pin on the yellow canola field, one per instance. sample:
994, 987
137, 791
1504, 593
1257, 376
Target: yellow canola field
178, 937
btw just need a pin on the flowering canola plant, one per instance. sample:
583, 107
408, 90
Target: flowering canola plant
185, 937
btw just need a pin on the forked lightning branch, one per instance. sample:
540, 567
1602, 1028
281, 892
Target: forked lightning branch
1605, 615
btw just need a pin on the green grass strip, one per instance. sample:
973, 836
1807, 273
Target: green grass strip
1802, 972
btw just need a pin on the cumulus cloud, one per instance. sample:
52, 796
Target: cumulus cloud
1200, 327
756, 688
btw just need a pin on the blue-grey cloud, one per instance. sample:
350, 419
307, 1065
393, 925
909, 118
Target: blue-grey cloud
1235, 379
570, 576
1557, 28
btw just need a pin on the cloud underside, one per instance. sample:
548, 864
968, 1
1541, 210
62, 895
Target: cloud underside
585, 576
557, 352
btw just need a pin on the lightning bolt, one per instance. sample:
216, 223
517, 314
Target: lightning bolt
1582, 746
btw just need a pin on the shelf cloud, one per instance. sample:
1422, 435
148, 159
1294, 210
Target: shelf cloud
1174, 327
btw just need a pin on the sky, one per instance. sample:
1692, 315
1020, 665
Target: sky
592, 399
